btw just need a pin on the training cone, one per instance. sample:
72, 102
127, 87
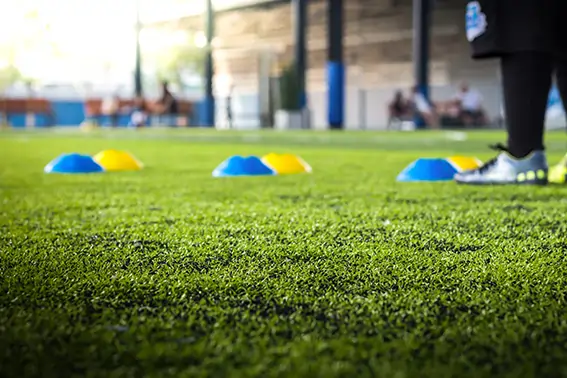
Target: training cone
428, 170
114, 160
285, 164
73, 163
243, 166
464, 163
558, 173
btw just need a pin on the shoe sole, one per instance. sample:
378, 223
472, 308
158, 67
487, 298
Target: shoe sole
526, 183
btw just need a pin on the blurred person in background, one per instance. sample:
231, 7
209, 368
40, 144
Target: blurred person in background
424, 108
229, 115
140, 112
469, 103
111, 108
399, 109
166, 106
529, 37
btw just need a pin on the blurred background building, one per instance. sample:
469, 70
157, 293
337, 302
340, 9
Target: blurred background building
80, 49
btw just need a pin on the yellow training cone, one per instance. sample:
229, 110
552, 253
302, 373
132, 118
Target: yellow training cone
558, 172
464, 163
286, 163
114, 160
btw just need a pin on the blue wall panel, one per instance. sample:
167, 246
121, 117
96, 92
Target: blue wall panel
68, 113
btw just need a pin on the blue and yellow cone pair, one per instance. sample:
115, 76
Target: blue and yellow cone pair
104, 161
427, 169
437, 169
268, 165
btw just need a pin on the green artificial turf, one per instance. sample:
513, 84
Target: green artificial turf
344, 272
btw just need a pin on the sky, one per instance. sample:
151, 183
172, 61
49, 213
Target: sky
70, 39
62, 39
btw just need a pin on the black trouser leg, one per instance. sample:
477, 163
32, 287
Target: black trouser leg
526, 83
561, 70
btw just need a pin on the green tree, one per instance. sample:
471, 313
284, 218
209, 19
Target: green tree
289, 89
172, 64
8, 76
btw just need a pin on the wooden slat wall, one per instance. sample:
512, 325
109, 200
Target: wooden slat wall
377, 32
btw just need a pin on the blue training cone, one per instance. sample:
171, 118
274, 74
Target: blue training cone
243, 166
73, 163
425, 169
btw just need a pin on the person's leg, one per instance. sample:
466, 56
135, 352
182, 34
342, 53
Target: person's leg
561, 76
558, 172
526, 80
561, 56
426, 118
391, 116
561, 72
431, 119
521, 34
467, 119
483, 119
476, 118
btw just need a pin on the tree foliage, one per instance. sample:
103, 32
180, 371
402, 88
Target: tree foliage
9, 75
290, 89
179, 60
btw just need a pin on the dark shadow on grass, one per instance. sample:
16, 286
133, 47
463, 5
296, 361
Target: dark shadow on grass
422, 243
166, 221
115, 241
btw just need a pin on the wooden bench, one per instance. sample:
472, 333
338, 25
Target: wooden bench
185, 107
35, 106
94, 108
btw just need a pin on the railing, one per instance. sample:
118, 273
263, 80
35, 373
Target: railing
38, 112
365, 108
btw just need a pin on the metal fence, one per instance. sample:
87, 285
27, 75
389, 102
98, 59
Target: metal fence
365, 108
